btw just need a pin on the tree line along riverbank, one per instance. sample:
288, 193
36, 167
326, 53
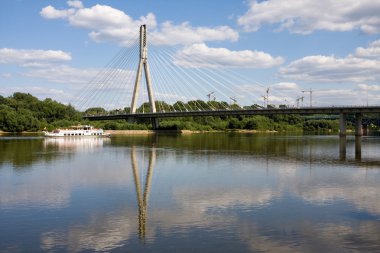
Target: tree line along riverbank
23, 112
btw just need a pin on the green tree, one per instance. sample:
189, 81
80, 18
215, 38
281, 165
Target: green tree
95, 111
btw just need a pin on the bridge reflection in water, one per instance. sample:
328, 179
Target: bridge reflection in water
343, 148
142, 194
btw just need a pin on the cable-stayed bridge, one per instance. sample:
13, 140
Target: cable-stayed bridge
177, 82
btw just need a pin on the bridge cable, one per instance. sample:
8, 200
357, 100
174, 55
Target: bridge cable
163, 63
104, 79
173, 72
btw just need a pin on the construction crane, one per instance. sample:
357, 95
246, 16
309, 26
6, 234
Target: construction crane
311, 96
298, 101
210, 94
286, 102
265, 99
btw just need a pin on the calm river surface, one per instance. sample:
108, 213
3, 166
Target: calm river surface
189, 193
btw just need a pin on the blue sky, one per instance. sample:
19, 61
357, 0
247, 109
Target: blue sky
54, 48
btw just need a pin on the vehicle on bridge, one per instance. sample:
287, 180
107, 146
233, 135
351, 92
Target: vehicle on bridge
76, 131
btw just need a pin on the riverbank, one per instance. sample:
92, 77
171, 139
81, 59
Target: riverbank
148, 132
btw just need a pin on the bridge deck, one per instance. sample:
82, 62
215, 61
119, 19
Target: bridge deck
269, 111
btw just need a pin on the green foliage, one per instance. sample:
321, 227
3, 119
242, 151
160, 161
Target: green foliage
235, 123
216, 105
145, 107
196, 105
214, 122
321, 125
179, 106
17, 121
181, 125
252, 107
24, 112
95, 111
118, 125
291, 119
161, 106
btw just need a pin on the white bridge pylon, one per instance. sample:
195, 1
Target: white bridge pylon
143, 63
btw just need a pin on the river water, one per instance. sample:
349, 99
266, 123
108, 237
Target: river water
190, 193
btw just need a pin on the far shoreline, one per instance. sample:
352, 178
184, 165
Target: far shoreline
150, 132
182, 132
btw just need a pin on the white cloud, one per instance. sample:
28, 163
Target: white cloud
319, 68
170, 34
63, 96
109, 24
63, 74
373, 51
363, 66
367, 87
45, 64
200, 55
285, 86
83, 86
279, 93
104, 22
287, 93
103, 17
30, 57
103, 232
69, 75
328, 97
225, 198
49, 12
75, 4
309, 15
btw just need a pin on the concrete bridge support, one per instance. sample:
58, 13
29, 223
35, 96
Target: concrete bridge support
365, 129
358, 136
358, 148
343, 138
342, 124
143, 66
155, 123
358, 124
342, 147
131, 120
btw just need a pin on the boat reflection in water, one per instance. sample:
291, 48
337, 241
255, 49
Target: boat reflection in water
76, 143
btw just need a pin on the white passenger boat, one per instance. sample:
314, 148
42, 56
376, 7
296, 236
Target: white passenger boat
80, 130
